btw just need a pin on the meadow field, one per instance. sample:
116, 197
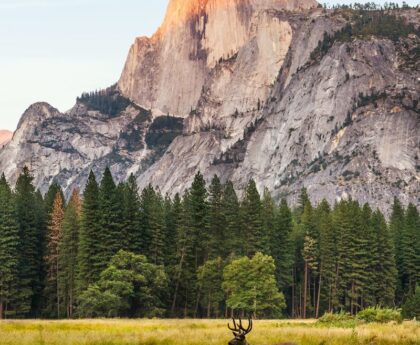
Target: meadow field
199, 332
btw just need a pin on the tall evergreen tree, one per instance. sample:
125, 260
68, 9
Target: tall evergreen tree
216, 220
9, 246
396, 227
410, 250
268, 218
52, 291
131, 220
68, 249
251, 220
89, 239
198, 208
110, 211
385, 295
28, 298
282, 246
233, 230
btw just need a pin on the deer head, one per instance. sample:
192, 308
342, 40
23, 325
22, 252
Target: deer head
240, 332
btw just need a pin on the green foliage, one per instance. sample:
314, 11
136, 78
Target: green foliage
108, 101
411, 307
364, 23
31, 219
380, 315
209, 282
9, 244
250, 285
163, 131
341, 319
88, 251
129, 286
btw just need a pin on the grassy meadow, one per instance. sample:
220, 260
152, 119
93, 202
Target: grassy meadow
195, 332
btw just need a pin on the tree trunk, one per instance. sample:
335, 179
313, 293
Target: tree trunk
318, 301
294, 292
1, 309
181, 262
305, 290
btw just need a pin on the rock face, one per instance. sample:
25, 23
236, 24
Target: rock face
5, 137
234, 88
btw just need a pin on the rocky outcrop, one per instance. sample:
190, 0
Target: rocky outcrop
243, 90
5, 137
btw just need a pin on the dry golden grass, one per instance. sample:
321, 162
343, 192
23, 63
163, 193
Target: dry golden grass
195, 332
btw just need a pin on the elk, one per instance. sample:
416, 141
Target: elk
240, 333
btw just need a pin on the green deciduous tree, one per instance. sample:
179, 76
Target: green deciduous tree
129, 286
250, 285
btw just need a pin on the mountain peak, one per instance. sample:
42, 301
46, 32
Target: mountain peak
180, 11
5, 137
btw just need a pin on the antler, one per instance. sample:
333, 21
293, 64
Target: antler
239, 329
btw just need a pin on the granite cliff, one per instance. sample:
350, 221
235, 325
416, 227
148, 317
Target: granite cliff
267, 89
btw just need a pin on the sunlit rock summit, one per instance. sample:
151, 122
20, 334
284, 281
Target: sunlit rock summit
244, 89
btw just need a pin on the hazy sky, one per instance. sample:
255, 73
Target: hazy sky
53, 50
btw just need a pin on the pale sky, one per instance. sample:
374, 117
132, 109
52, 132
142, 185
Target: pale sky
53, 50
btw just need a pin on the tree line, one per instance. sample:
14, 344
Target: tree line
208, 253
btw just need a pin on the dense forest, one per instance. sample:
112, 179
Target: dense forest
207, 253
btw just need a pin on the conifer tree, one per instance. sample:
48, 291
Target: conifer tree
385, 295
68, 249
131, 220
282, 246
156, 222
410, 250
110, 212
216, 220
268, 217
251, 220
370, 258
310, 254
198, 219
396, 226
50, 197
327, 257
52, 291
88, 253
9, 246
29, 216
233, 231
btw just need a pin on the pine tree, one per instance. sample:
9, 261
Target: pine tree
9, 244
282, 246
51, 195
410, 250
131, 221
327, 258
88, 254
370, 258
396, 227
198, 219
216, 220
55, 228
310, 254
386, 258
268, 217
251, 220
68, 249
156, 222
110, 212
28, 299
233, 231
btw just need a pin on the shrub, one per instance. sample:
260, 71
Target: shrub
341, 319
380, 315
